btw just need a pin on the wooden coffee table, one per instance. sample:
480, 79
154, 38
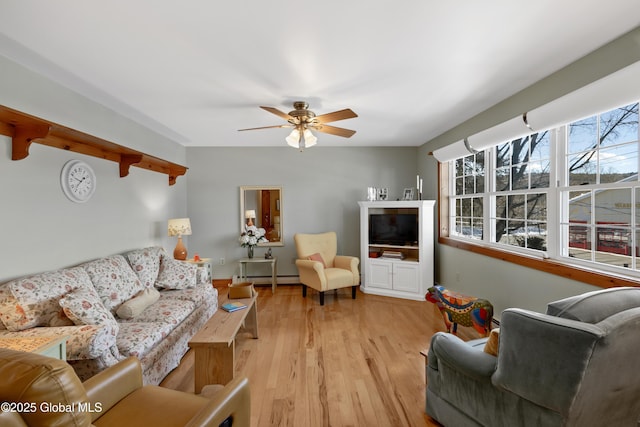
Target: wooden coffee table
214, 345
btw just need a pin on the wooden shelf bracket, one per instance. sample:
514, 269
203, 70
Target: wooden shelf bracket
126, 160
25, 130
23, 136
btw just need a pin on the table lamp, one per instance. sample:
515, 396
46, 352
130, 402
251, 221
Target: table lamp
180, 227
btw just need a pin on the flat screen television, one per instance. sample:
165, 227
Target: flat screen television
393, 229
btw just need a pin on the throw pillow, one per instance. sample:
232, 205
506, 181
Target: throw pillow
114, 280
317, 257
176, 274
492, 344
37, 296
137, 304
84, 307
146, 263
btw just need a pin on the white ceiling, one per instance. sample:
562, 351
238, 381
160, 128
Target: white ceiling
197, 70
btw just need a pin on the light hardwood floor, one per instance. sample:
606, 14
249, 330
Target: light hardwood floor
347, 363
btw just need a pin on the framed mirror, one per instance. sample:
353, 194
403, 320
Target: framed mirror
265, 202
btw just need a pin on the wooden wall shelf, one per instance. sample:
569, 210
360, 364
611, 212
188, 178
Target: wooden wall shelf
25, 130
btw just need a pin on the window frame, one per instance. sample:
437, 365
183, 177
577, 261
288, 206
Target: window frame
550, 261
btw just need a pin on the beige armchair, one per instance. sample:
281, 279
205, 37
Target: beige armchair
42, 391
319, 266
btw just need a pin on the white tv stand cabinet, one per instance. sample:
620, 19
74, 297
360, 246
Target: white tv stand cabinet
409, 277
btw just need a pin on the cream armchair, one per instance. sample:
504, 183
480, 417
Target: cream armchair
319, 266
41, 391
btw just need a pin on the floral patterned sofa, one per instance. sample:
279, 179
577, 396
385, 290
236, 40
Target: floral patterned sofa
142, 303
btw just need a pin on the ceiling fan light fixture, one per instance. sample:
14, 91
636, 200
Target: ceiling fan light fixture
302, 120
293, 139
309, 138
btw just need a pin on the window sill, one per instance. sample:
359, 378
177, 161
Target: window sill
590, 277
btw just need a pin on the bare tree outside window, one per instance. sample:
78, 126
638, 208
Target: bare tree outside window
600, 151
522, 164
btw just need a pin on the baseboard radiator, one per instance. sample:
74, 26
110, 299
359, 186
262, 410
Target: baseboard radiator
263, 280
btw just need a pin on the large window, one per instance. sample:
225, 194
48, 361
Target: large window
578, 182
469, 184
521, 174
602, 203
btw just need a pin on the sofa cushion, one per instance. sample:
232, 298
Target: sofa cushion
176, 274
84, 307
138, 304
146, 264
197, 295
60, 319
164, 311
114, 280
37, 296
136, 339
593, 307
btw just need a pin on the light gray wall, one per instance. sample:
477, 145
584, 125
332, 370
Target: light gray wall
507, 284
42, 230
321, 188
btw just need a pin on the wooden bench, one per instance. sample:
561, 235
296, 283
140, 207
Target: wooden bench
214, 344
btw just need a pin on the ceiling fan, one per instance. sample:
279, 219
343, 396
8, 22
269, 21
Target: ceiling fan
303, 120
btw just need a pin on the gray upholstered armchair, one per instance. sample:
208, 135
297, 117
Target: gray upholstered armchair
576, 365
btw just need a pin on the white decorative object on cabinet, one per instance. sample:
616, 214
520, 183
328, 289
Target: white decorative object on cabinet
396, 248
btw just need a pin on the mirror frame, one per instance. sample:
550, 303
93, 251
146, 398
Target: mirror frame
245, 188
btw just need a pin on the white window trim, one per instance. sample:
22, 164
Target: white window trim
557, 209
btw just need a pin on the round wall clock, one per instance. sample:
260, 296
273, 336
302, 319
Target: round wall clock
78, 181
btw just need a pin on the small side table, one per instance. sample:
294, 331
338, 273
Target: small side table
273, 261
203, 262
51, 346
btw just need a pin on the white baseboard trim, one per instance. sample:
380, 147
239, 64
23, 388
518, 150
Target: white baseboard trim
282, 280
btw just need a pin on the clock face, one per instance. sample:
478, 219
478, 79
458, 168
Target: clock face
78, 181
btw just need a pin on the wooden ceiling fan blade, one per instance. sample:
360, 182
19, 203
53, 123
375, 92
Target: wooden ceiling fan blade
346, 133
277, 112
347, 113
267, 127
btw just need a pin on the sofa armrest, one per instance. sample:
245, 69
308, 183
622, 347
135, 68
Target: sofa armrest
346, 262
89, 342
83, 341
307, 264
460, 356
234, 401
311, 273
108, 387
202, 275
537, 350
